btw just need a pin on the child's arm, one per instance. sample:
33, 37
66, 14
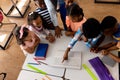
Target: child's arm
95, 47
36, 40
113, 48
118, 44
65, 57
71, 44
114, 57
31, 44
107, 46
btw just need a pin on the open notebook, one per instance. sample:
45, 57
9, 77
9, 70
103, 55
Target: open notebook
73, 62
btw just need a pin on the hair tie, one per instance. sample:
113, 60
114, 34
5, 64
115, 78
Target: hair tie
21, 32
30, 13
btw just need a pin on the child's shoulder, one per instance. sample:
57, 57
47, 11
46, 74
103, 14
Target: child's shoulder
116, 35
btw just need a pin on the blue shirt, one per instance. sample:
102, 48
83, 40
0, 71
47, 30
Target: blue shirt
91, 42
116, 35
61, 1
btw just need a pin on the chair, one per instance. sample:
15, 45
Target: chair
4, 75
17, 8
6, 31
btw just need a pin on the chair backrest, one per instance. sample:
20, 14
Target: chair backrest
4, 75
1, 16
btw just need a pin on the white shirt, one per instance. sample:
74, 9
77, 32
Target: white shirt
52, 12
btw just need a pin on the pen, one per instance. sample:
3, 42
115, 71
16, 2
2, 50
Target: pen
33, 63
43, 62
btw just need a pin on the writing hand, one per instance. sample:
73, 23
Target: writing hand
65, 57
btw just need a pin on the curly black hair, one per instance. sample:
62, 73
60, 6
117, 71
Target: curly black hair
32, 16
108, 22
74, 10
91, 28
17, 35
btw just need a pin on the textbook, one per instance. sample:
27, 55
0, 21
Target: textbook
73, 62
41, 51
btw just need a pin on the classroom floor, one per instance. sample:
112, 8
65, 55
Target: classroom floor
12, 58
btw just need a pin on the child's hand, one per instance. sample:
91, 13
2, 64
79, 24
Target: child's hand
93, 50
98, 49
65, 57
58, 32
51, 39
105, 52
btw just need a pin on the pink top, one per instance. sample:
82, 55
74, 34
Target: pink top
74, 25
31, 38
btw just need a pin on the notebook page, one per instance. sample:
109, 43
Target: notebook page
73, 62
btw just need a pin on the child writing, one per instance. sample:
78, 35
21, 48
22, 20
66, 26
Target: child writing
35, 25
26, 39
74, 19
111, 27
92, 36
43, 11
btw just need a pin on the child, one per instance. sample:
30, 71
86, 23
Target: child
74, 19
35, 25
92, 36
42, 10
111, 27
26, 39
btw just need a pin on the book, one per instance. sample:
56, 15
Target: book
73, 62
41, 51
109, 61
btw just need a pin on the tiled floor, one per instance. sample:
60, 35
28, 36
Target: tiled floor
11, 59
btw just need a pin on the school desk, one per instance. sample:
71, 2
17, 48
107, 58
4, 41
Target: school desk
71, 74
27, 75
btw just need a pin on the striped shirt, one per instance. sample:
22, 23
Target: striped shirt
91, 42
44, 14
77, 35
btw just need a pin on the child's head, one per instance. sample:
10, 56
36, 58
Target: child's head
75, 13
109, 25
34, 19
91, 28
40, 3
68, 2
21, 33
